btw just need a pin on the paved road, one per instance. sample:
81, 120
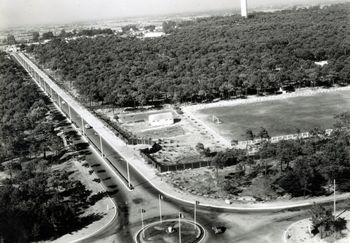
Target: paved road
129, 202
243, 227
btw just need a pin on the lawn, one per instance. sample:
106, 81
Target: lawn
279, 117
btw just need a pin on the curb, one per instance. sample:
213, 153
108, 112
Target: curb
175, 219
284, 236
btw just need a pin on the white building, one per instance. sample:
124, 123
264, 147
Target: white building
161, 119
153, 34
321, 63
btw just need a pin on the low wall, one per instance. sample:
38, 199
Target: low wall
280, 138
173, 167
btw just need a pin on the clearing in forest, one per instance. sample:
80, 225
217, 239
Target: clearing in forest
279, 117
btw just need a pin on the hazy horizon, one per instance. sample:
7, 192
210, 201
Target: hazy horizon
17, 13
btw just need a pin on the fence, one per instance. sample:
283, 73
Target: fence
280, 138
174, 167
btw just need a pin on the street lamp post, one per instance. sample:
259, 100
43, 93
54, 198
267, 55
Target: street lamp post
334, 200
59, 101
142, 225
101, 147
180, 215
70, 114
82, 126
128, 172
160, 198
195, 213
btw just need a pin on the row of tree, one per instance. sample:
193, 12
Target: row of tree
217, 57
36, 202
67, 34
24, 130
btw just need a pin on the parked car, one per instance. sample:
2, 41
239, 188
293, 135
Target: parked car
218, 229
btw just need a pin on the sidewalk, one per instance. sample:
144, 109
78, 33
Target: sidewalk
299, 232
149, 173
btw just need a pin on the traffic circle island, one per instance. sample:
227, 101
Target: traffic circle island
170, 231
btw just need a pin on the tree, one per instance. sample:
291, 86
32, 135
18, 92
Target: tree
342, 120
263, 134
287, 151
324, 223
168, 26
11, 40
63, 33
249, 135
35, 36
303, 179
47, 35
150, 27
219, 162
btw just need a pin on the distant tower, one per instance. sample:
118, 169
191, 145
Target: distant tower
244, 11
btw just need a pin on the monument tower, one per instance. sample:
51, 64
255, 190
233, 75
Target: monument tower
244, 10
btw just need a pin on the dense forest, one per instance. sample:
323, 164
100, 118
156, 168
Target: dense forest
23, 130
36, 202
217, 57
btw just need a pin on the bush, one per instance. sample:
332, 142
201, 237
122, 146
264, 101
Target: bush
231, 187
324, 223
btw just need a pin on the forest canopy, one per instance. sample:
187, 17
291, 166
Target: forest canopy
207, 58
36, 202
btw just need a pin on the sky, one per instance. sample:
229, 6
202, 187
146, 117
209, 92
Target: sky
35, 12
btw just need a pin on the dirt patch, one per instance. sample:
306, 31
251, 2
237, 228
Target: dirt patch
3, 176
178, 141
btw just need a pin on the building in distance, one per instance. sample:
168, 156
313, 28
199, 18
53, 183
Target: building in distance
161, 119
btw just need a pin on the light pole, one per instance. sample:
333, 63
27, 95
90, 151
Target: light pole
128, 172
82, 126
142, 225
195, 213
101, 147
70, 114
59, 101
160, 198
180, 215
334, 200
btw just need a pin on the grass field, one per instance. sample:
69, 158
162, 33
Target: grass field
280, 116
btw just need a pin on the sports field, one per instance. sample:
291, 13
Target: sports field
279, 117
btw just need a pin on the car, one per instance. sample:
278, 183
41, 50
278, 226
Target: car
87, 126
218, 229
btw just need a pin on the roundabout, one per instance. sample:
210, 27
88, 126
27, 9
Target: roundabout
170, 230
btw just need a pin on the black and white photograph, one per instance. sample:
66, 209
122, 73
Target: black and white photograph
175, 121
